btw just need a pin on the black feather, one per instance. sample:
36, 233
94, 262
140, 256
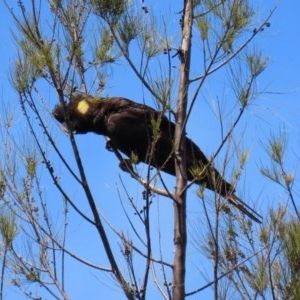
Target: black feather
138, 130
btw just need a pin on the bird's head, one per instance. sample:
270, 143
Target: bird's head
78, 114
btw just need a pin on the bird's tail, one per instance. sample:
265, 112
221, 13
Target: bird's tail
244, 208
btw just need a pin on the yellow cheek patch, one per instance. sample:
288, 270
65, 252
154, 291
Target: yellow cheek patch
83, 106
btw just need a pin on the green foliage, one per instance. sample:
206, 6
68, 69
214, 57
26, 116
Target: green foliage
134, 158
24, 75
257, 64
234, 15
34, 47
163, 88
155, 127
243, 157
103, 50
31, 275
290, 234
259, 279
240, 14
31, 166
199, 171
151, 44
275, 267
244, 96
109, 10
203, 27
8, 227
276, 150
129, 28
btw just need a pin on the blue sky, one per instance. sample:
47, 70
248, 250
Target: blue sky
277, 108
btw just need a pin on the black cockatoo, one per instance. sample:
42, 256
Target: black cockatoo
139, 131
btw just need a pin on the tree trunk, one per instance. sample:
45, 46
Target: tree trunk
180, 237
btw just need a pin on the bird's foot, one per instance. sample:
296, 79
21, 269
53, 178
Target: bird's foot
109, 146
126, 165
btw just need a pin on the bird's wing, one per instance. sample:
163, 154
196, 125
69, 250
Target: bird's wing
128, 128
132, 126
123, 114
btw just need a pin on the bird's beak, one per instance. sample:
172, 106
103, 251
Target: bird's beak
65, 128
